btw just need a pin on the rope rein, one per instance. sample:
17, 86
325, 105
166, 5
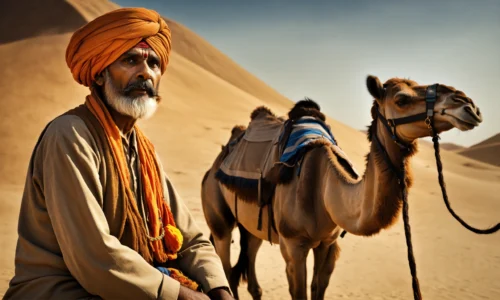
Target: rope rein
406, 219
401, 175
490, 230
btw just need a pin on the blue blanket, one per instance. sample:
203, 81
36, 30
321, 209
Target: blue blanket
305, 131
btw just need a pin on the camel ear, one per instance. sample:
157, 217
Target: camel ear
375, 87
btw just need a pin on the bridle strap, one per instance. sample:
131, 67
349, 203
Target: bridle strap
427, 116
391, 127
430, 101
409, 119
398, 172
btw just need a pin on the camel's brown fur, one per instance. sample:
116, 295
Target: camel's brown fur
261, 110
236, 132
311, 209
412, 147
304, 108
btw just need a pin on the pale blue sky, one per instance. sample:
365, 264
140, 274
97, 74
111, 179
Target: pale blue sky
325, 49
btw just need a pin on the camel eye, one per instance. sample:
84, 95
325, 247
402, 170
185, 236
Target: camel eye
403, 101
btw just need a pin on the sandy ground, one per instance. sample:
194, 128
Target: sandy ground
200, 105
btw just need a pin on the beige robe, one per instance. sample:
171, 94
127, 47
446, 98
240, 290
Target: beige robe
65, 249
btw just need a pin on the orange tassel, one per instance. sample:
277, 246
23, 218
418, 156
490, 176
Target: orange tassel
173, 239
185, 281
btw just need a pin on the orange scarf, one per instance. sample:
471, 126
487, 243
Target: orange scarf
162, 222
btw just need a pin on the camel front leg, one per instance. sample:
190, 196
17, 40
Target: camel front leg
295, 253
324, 263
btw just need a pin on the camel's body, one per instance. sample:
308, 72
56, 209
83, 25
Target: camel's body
312, 209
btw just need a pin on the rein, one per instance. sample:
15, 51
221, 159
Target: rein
428, 118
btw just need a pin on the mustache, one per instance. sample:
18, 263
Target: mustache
146, 85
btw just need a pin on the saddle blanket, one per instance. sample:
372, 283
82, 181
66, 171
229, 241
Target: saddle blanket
305, 131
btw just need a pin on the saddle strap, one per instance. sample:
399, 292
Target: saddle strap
271, 225
270, 222
259, 221
236, 207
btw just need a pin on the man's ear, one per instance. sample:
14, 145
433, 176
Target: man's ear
99, 79
375, 87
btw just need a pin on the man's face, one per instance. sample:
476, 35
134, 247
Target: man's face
131, 83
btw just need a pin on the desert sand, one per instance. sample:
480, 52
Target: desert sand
204, 94
486, 151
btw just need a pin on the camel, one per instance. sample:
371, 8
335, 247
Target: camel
312, 209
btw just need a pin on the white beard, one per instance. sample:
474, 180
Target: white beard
141, 107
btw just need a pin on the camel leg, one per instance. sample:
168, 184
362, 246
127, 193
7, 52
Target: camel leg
223, 249
254, 289
295, 254
324, 263
245, 267
220, 220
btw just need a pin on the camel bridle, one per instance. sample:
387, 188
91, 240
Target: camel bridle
427, 117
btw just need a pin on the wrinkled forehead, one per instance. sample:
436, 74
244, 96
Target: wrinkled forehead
394, 87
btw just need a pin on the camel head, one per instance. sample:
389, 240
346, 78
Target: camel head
403, 98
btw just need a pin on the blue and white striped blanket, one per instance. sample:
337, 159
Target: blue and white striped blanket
305, 131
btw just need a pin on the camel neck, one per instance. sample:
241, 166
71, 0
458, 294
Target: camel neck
373, 203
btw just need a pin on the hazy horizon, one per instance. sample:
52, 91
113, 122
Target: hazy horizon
325, 49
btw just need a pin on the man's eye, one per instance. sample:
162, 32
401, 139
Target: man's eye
154, 64
130, 61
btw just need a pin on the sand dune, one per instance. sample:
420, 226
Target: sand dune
492, 140
451, 147
27, 18
204, 94
488, 153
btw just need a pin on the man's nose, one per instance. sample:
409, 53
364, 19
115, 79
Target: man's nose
145, 72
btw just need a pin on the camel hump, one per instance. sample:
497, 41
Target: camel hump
236, 131
262, 111
306, 108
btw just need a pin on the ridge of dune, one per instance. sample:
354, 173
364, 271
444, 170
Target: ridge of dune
24, 19
488, 153
491, 140
485, 151
91, 9
198, 50
451, 147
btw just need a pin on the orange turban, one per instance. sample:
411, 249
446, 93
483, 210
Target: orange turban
99, 43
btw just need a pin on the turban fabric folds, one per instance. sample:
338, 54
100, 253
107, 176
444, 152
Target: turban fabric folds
99, 43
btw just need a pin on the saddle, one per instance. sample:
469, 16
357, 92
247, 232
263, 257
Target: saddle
251, 157
269, 150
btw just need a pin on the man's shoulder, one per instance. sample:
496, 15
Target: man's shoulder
63, 137
67, 128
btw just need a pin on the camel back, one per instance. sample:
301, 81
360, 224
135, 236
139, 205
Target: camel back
271, 151
245, 168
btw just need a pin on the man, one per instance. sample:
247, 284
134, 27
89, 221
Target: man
99, 218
